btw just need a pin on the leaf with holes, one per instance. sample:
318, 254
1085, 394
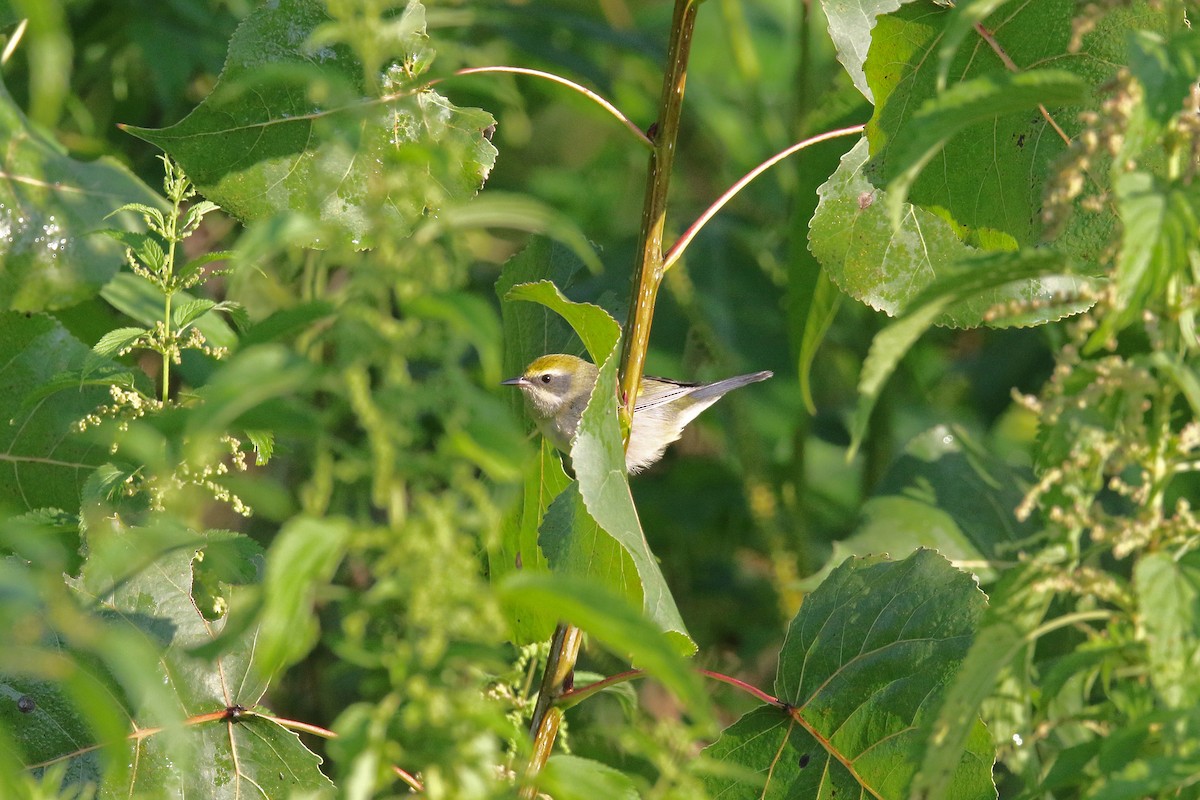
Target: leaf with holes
291, 127
864, 664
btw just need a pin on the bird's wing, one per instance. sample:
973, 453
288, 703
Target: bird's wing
653, 395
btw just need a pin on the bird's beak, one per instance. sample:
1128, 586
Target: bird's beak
514, 381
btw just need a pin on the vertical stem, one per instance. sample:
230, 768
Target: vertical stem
168, 268
650, 250
560, 666
564, 647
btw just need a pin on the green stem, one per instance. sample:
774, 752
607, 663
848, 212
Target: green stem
168, 295
564, 648
654, 211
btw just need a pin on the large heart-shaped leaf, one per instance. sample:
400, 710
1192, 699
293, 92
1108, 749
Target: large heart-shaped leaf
864, 664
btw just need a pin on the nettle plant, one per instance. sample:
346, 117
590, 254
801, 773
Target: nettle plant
1024, 163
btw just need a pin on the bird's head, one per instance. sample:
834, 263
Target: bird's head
554, 383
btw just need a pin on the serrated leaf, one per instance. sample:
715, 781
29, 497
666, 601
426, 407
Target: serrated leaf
113, 342
850, 23
890, 268
186, 313
989, 180
1168, 596
49, 205
141, 582
138, 298
45, 462
289, 127
968, 103
264, 446
145, 247
183, 274
1017, 605
863, 666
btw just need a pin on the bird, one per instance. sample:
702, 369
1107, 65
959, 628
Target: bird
557, 387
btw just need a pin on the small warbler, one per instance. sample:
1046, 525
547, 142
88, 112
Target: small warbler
557, 388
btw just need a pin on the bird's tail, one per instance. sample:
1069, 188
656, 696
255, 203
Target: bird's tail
715, 390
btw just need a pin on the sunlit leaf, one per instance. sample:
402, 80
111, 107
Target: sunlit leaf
864, 665
290, 127
50, 205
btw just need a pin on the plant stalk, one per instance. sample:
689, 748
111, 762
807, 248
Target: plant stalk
649, 274
564, 647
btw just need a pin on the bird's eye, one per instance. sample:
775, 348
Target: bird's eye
545, 377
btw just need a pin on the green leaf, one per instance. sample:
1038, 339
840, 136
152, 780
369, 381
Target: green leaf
251, 379
515, 212
989, 180
573, 778
1032, 277
574, 544
616, 622
187, 313
49, 204
304, 555
141, 581
140, 299
113, 342
45, 461
969, 103
598, 331
532, 330
145, 247
863, 666
944, 492
965, 14
518, 548
264, 446
290, 127
1158, 243
1168, 595
470, 315
890, 268
1166, 67
287, 322
850, 24
1016, 607
598, 457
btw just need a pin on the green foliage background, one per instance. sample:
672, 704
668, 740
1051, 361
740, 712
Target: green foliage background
391, 573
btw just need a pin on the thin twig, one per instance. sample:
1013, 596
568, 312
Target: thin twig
677, 249
583, 90
1011, 66
412, 782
